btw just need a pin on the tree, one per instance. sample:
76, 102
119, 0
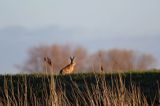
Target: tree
145, 61
59, 55
111, 60
121, 60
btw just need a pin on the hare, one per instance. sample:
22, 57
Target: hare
69, 68
48, 64
101, 68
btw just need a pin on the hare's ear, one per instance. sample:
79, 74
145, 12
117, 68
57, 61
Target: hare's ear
72, 58
45, 59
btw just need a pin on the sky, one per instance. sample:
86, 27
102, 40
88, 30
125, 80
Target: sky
94, 24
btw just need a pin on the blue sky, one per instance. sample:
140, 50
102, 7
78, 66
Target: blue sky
94, 24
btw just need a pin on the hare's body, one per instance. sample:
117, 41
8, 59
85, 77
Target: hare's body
69, 68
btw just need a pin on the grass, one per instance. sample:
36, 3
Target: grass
91, 89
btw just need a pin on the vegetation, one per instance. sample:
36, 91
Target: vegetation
112, 60
92, 89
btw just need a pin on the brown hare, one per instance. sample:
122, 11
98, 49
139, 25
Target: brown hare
48, 64
101, 69
69, 68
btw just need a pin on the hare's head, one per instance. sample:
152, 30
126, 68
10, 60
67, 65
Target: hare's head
47, 60
72, 60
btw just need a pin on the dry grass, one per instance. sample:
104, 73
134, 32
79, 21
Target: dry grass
100, 94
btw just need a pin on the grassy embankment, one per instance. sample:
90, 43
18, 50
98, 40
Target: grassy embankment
92, 89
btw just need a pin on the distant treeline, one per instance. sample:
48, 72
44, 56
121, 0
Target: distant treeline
111, 60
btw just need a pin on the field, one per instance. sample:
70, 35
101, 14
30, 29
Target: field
83, 89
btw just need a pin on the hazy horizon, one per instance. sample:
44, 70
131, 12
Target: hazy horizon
93, 24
